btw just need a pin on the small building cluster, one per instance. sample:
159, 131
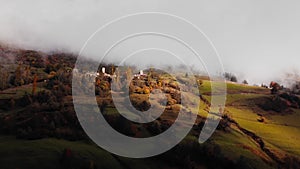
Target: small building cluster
106, 74
140, 74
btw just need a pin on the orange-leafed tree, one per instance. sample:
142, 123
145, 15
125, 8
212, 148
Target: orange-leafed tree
98, 82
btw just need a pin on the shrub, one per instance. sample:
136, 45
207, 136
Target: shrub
146, 90
230, 77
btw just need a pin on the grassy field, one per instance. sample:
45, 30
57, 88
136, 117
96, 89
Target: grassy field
235, 145
46, 153
280, 132
18, 92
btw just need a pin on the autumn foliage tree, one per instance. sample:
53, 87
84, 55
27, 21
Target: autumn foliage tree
275, 87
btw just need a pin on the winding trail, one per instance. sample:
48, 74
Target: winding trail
260, 142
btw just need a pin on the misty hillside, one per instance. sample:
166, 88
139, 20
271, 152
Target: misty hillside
39, 128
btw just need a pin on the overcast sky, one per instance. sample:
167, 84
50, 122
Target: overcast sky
256, 39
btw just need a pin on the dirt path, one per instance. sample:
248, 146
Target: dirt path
280, 159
